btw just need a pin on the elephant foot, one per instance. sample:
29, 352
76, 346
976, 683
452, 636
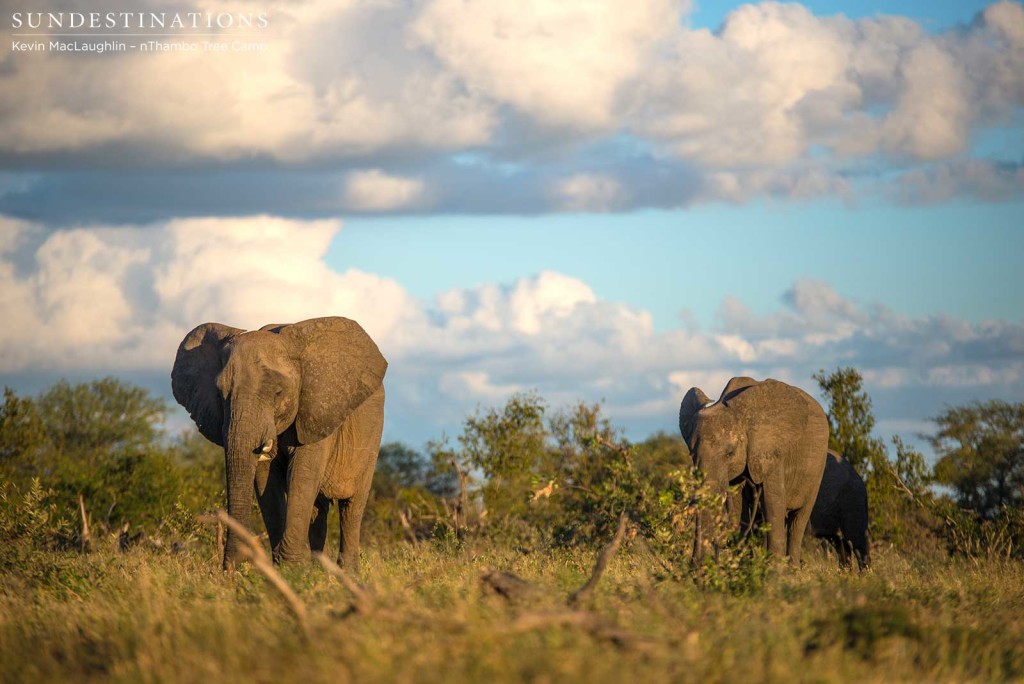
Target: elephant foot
349, 562
290, 557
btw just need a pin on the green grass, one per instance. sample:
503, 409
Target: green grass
149, 616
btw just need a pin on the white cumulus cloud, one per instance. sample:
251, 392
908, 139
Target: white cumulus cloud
560, 62
778, 102
93, 300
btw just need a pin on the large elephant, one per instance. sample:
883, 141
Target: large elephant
770, 435
299, 410
840, 514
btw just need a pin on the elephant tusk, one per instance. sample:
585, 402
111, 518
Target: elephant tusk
262, 458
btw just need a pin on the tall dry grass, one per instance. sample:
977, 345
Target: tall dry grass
153, 616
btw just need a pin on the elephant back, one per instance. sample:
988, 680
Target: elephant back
834, 479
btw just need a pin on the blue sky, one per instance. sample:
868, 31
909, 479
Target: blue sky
960, 259
934, 16
592, 199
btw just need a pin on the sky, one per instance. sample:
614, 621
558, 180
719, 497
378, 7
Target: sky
596, 200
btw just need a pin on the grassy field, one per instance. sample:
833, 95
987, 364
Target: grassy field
153, 616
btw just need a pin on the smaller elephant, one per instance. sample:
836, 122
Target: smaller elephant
840, 514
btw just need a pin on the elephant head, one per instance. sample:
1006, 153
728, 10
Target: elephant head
720, 459
714, 435
245, 389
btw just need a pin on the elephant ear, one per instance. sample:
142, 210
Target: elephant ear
735, 386
341, 367
194, 377
774, 415
693, 401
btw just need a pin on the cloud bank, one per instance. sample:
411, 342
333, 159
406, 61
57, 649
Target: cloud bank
116, 299
575, 105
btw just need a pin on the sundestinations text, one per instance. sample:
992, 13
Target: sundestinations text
141, 20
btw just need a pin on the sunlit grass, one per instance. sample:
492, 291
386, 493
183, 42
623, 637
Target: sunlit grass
154, 616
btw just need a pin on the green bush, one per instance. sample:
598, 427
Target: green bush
33, 515
564, 479
102, 441
520, 475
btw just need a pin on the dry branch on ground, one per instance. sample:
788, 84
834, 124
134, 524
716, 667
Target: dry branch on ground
252, 550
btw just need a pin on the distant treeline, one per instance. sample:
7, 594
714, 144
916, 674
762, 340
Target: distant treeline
522, 473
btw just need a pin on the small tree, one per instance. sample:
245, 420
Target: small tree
509, 448
22, 438
981, 455
850, 419
398, 467
99, 418
898, 494
103, 440
409, 494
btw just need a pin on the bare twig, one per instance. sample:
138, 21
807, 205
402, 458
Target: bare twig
585, 592
411, 533
362, 602
463, 506
623, 451
906, 489
106, 518
611, 445
252, 550
86, 534
125, 540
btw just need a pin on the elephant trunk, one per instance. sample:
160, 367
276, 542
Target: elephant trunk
708, 523
242, 445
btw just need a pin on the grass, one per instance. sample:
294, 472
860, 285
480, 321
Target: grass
153, 616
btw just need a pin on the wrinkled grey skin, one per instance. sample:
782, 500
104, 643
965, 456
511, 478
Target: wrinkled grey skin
299, 410
769, 435
840, 514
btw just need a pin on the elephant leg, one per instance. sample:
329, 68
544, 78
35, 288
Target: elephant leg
362, 450
750, 513
351, 514
836, 542
855, 528
774, 496
861, 549
843, 549
270, 485
732, 508
797, 527
318, 526
305, 472
857, 545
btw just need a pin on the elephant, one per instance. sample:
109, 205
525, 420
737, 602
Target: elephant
840, 514
771, 436
299, 411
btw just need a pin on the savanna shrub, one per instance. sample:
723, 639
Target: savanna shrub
34, 515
